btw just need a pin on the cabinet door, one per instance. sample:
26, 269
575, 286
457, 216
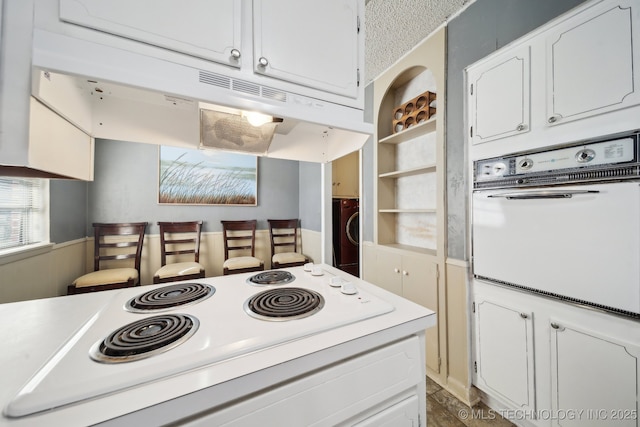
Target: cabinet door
57, 146
345, 178
591, 60
420, 285
314, 44
389, 265
499, 95
403, 414
202, 28
504, 353
594, 374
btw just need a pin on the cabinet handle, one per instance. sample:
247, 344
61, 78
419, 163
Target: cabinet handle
556, 326
524, 315
405, 273
235, 54
396, 270
263, 62
520, 127
553, 119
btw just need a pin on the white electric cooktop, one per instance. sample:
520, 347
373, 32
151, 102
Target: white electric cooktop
221, 326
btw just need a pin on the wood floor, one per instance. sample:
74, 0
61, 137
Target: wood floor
444, 410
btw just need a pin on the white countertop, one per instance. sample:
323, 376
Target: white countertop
35, 330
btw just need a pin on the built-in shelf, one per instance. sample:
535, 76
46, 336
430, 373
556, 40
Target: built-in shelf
410, 163
414, 131
407, 210
409, 251
408, 172
409, 248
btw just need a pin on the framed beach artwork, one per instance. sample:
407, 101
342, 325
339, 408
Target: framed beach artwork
207, 177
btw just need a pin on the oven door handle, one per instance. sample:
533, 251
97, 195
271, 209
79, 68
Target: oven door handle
545, 194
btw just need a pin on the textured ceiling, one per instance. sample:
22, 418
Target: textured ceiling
393, 27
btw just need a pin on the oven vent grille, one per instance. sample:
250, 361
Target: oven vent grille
605, 174
564, 177
495, 184
564, 298
242, 86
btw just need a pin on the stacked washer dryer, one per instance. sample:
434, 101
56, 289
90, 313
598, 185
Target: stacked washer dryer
346, 235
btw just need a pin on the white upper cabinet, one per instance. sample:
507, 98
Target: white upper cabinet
316, 45
575, 78
203, 28
590, 63
287, 46
56, 147
499, 97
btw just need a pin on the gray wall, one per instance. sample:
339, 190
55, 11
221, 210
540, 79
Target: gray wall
310, 195
125, 188
67, 210
481, 29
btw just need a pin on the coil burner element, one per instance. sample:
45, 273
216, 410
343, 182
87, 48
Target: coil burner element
144, 338
284, 304
168, 297
271, 277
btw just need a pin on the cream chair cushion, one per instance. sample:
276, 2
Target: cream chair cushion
103, 277
288, 257
179, 269
242, 262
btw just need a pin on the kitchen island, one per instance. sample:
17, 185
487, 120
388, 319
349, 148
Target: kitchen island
358, 358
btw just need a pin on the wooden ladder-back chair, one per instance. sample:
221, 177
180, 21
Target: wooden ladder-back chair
284, 243
240, 236
115, 245
177, 240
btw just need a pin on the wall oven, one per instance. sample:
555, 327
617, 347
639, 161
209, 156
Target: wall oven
563, 223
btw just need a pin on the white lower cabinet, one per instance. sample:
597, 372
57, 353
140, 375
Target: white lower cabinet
413, 276
382, 388
403, 414
504, 361
547, 363
594, 375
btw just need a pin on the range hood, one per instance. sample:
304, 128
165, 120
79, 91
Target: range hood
109, 92
234, 132
113, 111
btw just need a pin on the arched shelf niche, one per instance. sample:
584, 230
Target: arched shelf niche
407, 158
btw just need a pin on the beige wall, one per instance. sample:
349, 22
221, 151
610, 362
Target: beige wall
44, 275
47, 274
458, 374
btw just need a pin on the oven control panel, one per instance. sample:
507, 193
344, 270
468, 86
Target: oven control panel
584, 162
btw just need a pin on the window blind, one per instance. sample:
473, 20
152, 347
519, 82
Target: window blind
22, 211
